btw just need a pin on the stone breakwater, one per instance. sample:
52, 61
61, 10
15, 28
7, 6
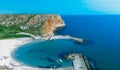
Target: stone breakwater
80, 62
80, 40
36, 24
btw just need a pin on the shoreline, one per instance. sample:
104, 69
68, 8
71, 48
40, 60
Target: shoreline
7, 47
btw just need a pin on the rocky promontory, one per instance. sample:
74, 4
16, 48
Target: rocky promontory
35, 24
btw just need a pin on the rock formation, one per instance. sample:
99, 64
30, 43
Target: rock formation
36, 24
52, 23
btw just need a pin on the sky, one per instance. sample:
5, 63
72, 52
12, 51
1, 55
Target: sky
60, 7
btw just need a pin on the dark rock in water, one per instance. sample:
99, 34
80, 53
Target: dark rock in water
86, 42
64, 54
50, 60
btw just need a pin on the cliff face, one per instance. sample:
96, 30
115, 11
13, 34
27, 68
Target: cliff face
52, 23
36, 24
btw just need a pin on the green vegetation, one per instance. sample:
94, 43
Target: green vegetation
10, 32
11, 25
6, 36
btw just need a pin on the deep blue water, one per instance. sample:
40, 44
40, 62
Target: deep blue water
103, 31
103, 47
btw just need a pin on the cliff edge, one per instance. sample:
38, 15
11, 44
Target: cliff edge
36, 24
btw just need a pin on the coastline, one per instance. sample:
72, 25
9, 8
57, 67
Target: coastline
9, 45
6, 48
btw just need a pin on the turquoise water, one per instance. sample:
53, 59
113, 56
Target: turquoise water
102, 32
46, 53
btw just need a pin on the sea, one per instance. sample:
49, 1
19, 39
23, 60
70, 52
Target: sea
103, 35
102, 46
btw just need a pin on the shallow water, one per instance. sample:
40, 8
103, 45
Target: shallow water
46, 53
103, 47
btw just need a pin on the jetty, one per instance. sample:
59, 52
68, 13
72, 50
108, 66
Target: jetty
80, 40
80, 62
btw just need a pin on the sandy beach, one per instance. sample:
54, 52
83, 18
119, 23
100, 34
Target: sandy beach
7, 46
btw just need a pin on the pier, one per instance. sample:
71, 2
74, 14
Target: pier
80, 62
80, 40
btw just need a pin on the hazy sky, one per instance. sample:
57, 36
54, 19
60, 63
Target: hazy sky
60, 6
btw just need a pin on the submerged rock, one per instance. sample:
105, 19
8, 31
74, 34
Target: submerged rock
65, 54
51, 60
85, 42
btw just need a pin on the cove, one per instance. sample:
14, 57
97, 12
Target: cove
47, 54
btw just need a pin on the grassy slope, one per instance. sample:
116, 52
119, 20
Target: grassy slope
10, 32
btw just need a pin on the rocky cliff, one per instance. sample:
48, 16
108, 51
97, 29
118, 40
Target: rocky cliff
36, 24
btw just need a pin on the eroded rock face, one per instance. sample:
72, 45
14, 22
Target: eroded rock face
36, 24
53, 22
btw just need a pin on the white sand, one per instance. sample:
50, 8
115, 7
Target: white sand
6, 48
